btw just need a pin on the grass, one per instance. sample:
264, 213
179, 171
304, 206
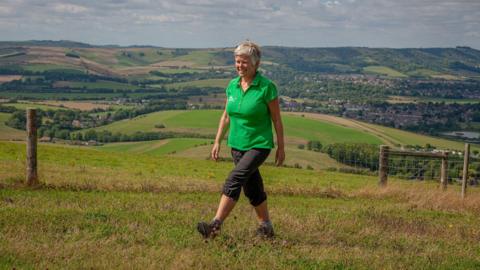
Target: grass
139, 211
161, 147
383, 70
8, 133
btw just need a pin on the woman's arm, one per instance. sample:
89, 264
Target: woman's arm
274, 108
223, 126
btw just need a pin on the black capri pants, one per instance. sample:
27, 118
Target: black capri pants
246, 175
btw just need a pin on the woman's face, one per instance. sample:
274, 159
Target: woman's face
244, 66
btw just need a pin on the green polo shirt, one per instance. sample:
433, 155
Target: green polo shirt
250, 121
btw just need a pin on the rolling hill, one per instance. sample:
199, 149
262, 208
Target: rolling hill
137, 60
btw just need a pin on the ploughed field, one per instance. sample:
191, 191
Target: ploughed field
96, 209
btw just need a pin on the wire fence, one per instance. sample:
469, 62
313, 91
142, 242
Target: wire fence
364, 159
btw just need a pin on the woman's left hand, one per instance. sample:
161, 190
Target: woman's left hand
279, 156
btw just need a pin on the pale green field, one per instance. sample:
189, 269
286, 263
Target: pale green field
201, 83
384, 71
8, 133
24, 106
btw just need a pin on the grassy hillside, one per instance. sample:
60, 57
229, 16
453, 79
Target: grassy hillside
138, 211
447, 63
328, 129
390, 136
384, 71
8, 133
206, 121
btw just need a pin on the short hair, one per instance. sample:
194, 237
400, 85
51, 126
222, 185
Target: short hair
250, 49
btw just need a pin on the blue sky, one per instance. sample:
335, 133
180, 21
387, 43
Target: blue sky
221, 23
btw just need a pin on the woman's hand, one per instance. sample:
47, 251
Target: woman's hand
215, 151
279, 156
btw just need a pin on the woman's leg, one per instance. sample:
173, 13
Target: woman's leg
246, 166
255, 192
262, 212
246, 163
224, 207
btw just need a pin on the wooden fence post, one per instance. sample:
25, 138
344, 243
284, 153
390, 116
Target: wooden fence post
444, 172
383, 165
32, 176
466, 157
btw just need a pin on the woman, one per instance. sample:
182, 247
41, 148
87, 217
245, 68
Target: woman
251, 107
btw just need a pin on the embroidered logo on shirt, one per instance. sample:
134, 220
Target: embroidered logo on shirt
231, 99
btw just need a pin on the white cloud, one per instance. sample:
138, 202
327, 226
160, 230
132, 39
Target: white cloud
223, 22
5, 10
69, 8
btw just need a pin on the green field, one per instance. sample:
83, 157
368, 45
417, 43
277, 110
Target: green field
101, 85
49, 67
206, 121
325, 132
8, 133
161, 147
199, 57
181, 70
200, 83
296, 128
111, 210
71, 96
383, 71
451, 100
408, 138
389, 136
23, 106
410, 99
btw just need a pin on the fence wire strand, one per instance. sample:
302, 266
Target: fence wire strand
411, 167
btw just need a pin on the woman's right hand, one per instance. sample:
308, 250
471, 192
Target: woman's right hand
215, 151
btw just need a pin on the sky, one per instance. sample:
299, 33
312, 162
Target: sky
222, 23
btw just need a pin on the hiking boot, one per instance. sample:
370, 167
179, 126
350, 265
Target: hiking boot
265, 231
209, 230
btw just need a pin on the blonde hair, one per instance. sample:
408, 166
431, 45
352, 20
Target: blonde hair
250, 49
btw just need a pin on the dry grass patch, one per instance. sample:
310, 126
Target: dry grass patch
426, 196
83, 106
9, 78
